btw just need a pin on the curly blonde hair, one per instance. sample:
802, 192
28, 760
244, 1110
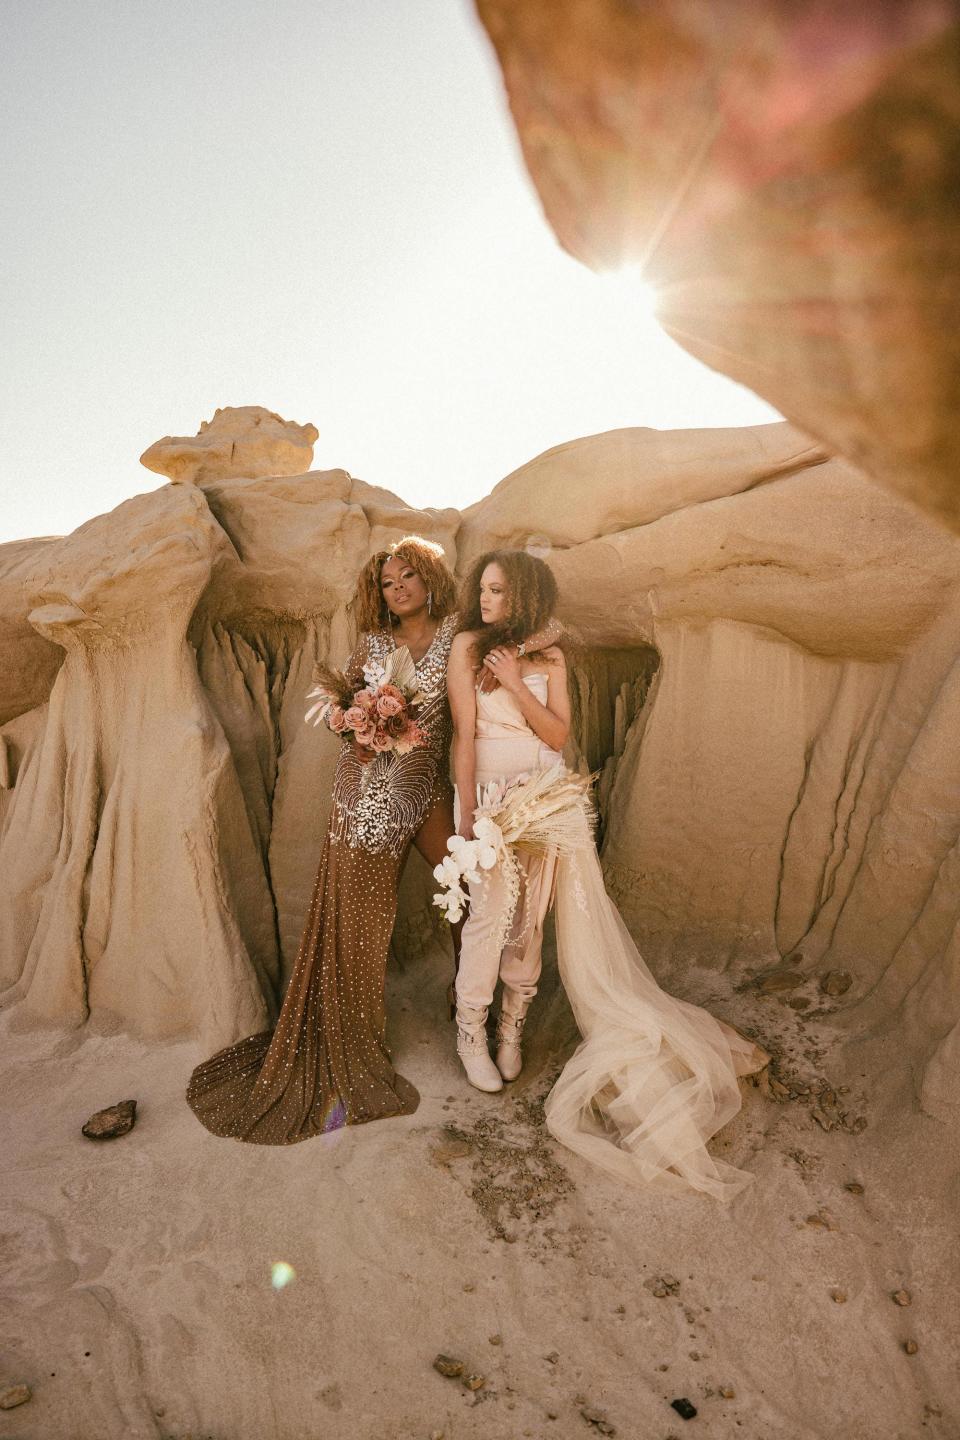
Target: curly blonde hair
531, 600
369, 607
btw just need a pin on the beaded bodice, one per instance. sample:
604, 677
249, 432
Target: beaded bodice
380, 805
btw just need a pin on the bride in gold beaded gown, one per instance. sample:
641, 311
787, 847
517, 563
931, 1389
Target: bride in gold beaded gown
327, 1063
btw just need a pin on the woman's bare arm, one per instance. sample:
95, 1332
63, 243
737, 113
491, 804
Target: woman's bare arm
461, 689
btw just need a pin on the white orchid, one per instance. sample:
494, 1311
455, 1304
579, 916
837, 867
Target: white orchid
549, 809
447, 872
489, 841
452, 902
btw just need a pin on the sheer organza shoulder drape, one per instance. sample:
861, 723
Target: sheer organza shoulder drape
654, 1078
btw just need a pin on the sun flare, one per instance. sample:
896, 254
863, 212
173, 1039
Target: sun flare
628, 288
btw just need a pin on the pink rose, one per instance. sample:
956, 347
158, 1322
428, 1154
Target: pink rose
393, 692
388, 705
366, 699
381, 741
355, 717
411, 738
336, 719
363, 734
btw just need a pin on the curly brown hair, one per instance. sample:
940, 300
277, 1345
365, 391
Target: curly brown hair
531, 598
369, 607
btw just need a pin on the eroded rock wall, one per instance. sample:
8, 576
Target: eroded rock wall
767, 684
786, 174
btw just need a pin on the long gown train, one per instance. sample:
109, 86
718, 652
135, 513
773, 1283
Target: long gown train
654, 1078
326, 1064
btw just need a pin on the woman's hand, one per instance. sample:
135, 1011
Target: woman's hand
486, 679
465, 828
504, 666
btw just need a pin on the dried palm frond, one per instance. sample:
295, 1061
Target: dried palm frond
333, 683
549, 808
399, 670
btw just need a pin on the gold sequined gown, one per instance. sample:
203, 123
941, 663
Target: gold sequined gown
327, 1063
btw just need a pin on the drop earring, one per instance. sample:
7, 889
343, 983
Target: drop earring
429, 602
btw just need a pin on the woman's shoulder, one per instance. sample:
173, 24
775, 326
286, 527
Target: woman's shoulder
554, 653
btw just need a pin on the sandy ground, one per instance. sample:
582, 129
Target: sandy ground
137, 1297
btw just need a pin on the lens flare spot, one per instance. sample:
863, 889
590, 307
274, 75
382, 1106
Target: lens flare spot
335, 1117
631, 295
281, 1274
539, 546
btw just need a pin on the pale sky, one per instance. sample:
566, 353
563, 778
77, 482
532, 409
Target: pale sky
317, 206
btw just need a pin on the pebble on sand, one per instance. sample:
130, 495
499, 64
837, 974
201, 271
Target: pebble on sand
836, 982
113, 1121
13, 1396
598, 1419
662, 1285
901, 1297
449, 1366
777, 981
683, 1407
911, 1347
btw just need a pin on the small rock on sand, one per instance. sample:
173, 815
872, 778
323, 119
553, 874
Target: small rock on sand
839, 1296
836, 982
449, 1366
13, 1396
683, 1407
777, 981
662, 1285
901, 1297
114, 1120
474, 1382
598, 1419
911, 1347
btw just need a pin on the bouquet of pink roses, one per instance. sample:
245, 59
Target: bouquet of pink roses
381, 715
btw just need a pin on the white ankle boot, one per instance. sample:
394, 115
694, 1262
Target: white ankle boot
474, 1052
509, 1033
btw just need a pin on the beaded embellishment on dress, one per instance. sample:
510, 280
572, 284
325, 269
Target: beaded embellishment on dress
378, 805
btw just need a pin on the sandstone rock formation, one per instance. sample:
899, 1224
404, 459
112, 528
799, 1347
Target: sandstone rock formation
239, 440
786, 175
28, 662
770, 690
